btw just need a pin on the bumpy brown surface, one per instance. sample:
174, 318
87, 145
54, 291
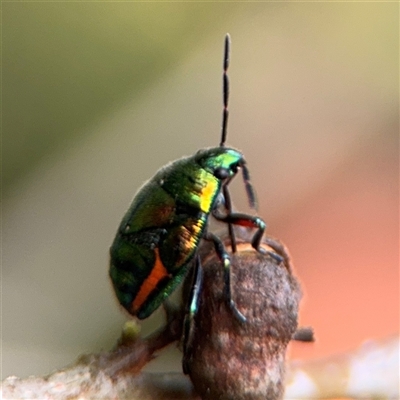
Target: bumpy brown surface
233, 360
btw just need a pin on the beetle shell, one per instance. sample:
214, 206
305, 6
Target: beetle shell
160, 233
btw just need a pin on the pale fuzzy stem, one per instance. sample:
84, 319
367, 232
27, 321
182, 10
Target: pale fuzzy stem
370, 372
82, 383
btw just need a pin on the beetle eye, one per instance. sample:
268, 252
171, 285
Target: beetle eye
221, 173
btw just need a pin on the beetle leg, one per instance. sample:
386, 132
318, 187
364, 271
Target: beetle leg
251, 222
279, 249
226, 263
228, 207
191, 311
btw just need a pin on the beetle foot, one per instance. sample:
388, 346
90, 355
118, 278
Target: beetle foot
238, 315
279, 259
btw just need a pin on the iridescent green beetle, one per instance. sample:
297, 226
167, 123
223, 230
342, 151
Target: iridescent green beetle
158, 238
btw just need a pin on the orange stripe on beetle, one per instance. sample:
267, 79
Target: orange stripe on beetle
150, 283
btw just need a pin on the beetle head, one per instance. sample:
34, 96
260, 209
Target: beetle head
224, 163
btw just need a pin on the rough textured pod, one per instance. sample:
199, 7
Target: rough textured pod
244, 361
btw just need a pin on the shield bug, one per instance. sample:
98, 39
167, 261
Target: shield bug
159, 236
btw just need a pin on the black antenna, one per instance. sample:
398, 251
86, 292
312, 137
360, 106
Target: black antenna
225, 90
225, 114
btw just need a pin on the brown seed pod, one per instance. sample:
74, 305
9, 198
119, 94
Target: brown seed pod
228, 359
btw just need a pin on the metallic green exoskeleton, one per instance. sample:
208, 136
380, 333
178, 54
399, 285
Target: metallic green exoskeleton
158, 238
161, 231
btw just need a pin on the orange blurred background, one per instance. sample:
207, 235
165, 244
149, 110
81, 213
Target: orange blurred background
344, 239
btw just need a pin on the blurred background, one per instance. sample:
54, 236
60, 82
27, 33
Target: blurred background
98, 96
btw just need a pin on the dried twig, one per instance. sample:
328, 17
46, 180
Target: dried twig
370, 372
227, 359
245, 361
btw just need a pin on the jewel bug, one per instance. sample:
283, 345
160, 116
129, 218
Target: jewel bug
158, 239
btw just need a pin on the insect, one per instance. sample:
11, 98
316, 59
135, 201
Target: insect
158, 238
